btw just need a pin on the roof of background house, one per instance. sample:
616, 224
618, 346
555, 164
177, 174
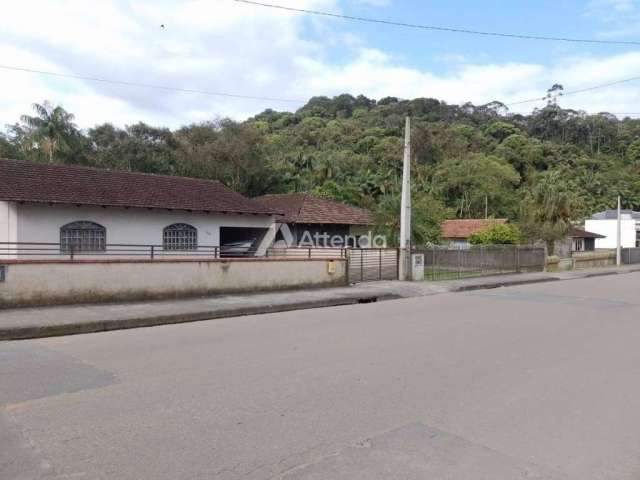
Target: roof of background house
306, 208
464, 228
580, 233
613, 214
64, 184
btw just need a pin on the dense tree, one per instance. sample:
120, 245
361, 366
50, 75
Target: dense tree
548, 208
542, 170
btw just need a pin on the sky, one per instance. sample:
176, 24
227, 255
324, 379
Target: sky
230, 47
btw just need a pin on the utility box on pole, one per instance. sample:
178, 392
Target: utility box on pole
417, 267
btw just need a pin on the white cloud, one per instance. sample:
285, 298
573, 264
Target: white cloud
620, 18
228, 47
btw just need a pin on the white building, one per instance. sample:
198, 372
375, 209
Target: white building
91, 210
606, 224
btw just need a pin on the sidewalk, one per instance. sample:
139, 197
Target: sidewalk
21, 323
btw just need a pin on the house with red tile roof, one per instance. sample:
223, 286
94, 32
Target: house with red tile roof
312, 220
457, 232
87, 208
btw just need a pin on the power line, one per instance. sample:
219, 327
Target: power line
574, 92
271, 99
147, 85
440, 28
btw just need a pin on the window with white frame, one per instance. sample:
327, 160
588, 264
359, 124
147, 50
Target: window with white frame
180, 236
83, 236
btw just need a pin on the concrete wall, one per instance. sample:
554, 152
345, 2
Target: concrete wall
609, 229
8, 225
41, 223
46, 283
582, 260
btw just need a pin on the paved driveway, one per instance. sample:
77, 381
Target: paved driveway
538, 381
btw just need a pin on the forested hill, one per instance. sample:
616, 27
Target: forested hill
465, 158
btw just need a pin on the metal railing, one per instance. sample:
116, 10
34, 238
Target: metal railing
307, 252
49, 250
446, 263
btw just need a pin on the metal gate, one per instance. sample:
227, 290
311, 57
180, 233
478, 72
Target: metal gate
371, 264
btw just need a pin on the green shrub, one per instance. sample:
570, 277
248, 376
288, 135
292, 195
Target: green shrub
497, 234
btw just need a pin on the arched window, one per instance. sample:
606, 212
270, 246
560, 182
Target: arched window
83, 236
180, 236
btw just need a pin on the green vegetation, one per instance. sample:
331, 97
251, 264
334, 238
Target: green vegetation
497, 234
541, 171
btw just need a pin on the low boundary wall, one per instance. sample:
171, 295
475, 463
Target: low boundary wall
30, 283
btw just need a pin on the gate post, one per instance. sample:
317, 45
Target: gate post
347, 263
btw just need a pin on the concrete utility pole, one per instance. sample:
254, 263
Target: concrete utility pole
619, 238
405, 205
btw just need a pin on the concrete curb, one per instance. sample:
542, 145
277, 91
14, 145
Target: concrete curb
31, 332
508, 283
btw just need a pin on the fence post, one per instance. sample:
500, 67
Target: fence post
517, 259
361, 265
380, 264
71, 251
152, 252
459, 263
309, 252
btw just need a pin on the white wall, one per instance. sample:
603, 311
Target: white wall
38, 283
41, 223
609, 228
8, 226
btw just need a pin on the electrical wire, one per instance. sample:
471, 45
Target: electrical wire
440, 28
574, 92
146, 85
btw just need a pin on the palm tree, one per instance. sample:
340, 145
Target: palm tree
548, 208
52, 128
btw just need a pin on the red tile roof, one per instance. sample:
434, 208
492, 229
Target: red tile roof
305, 208
465, 228
45, 183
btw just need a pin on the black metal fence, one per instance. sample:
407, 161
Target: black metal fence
630, 256
44, 251
307, 252
445, 263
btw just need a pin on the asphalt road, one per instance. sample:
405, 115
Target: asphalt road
535, 382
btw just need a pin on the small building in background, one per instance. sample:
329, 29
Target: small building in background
576, 240
582, 240
456, 233
308, 220
606, 225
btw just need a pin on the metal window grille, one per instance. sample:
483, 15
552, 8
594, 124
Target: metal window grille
83, 236
180, 236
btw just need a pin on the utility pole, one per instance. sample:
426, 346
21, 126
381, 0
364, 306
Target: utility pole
619, 238
486, 207
405, 205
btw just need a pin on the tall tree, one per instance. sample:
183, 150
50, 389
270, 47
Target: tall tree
547, 208
51, 129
